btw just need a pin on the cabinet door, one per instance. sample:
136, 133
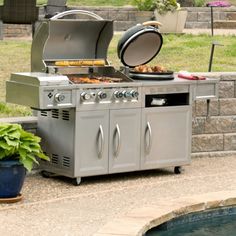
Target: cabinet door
91, 143
166, 137
124, 148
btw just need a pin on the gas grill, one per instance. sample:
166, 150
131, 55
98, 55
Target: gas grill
94, 119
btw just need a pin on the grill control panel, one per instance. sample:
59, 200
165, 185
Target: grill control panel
112, 95
108, 97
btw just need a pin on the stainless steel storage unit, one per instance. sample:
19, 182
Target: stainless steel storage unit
102, 128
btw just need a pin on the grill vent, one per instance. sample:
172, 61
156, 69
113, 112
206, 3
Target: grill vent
66, 161
54, 159
44, 113
55, 114
65, 115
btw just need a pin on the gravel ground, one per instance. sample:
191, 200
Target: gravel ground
56, 207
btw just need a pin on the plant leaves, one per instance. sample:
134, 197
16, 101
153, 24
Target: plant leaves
18, 143
4, 145
10, 142
43, 156
28, 163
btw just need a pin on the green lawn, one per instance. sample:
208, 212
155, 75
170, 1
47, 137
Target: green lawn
179, 52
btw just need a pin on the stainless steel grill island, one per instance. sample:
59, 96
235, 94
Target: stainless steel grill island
94, 119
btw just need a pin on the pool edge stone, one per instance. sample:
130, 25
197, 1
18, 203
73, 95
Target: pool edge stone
139, 221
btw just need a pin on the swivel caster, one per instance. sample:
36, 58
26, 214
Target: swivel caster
177, 170
76, 181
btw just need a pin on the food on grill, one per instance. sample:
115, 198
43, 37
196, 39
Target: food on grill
150, 69
94, 80
81, 63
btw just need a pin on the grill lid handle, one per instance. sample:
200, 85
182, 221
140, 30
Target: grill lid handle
79, 12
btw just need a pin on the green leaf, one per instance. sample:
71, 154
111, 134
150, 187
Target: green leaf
10, 142
22, 152
32, 157
28, 163
4, 145
43, 156
25, 146
2, 153
16, 142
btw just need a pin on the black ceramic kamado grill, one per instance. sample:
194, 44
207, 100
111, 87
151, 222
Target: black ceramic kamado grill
138, 46
94, 119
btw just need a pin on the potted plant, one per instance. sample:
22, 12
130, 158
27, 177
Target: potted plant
172, 17
145, 10
18, 152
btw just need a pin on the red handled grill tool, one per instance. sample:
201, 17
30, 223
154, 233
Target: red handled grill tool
189, 76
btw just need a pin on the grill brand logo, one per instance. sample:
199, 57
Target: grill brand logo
50, 95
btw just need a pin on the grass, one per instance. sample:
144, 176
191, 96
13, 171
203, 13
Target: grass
179, 52
190, 52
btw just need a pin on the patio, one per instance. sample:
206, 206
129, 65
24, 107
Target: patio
55, 207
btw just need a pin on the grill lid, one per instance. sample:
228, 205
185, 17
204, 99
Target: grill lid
140, 44
70, 39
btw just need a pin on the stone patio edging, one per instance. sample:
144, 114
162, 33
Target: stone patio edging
139, 221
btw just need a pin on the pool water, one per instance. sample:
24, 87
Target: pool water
220, 222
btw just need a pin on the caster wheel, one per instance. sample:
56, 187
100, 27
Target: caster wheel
177, 170
76, 181
47, 174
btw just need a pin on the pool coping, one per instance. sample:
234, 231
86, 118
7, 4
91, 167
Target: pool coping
139, 221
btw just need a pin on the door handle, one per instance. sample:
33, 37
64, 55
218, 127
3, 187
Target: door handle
148, 145
101, 146
117, 149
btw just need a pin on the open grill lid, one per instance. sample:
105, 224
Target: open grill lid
70, 39
140, 44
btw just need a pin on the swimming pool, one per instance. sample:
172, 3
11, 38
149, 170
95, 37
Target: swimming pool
214, 222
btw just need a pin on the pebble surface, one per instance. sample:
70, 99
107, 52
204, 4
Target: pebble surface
55, 207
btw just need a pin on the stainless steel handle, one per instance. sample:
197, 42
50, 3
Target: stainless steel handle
117, 131
101, 147
149, 144
79, 12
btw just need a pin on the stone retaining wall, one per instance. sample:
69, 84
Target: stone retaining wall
200, 17
216, 135
13, 30
126, 17
213, 135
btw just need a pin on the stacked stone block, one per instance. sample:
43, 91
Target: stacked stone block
200, 17
214, 134
126, 17
15, 30
123, 17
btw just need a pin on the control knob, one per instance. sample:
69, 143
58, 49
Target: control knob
85, 96
58, 97
118, 94
102, 95
127, 94
134, 93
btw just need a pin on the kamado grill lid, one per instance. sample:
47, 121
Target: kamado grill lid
140, 44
